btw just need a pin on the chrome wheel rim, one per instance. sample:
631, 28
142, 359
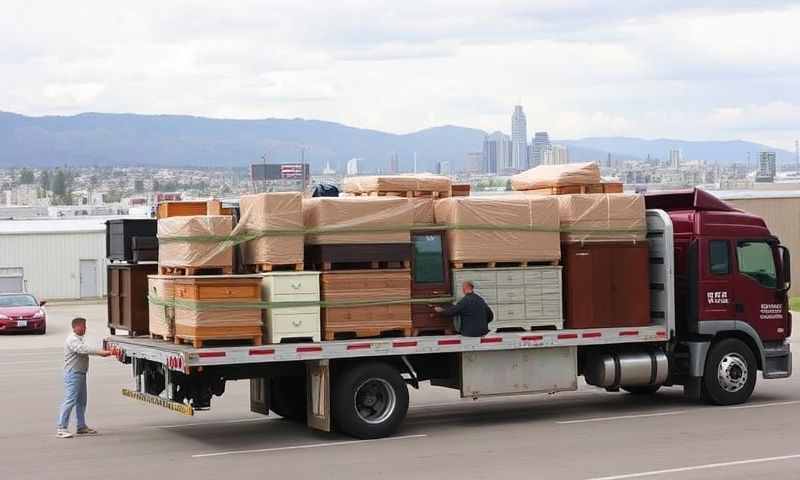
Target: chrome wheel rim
375, 400
732, 372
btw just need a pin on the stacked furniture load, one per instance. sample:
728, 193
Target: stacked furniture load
603, 247
508, 247
363, 247
273, 225
131, 250
563, 180
197, 298
430, 275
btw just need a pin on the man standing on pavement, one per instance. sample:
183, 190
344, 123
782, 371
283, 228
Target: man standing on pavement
474, 312
76, 364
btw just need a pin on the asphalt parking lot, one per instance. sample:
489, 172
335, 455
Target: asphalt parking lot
589, 434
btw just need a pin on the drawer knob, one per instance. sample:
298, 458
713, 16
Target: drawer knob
297, 323
296, 285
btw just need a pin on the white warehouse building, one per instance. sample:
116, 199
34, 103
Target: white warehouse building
59, 258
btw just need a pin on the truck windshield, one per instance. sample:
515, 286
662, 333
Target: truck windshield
17, 301
756, 261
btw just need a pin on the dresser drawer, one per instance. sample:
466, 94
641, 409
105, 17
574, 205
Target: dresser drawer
295, 284
510, 295
488, 294
475, 275
286, 323
511, 312
218, 289
533, 292
533, 310
295, 297
510, 277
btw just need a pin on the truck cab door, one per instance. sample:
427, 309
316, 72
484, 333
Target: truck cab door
715, 295
759, 300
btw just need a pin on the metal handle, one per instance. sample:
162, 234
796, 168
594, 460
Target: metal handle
296, 285
297, 323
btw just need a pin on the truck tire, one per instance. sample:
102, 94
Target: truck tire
370, 400
642, 389
288, 397
730, 373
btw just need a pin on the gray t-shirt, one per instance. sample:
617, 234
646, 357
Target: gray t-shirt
76, 353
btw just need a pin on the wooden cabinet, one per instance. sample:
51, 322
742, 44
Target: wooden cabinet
430, 279
351, 287
606, 284
527, 297
286, 321
127, 297
131, 240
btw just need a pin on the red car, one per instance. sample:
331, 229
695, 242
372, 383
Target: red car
21, 312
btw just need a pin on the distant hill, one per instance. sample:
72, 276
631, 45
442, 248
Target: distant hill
179, 140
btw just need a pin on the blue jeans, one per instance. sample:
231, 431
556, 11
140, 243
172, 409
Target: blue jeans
74, 396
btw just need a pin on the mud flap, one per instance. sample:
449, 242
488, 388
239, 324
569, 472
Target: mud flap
319, 395
259, 395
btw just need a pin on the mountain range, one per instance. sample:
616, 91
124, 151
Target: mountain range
178, 141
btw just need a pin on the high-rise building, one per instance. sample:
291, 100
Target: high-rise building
766, 167
473, 162
353, 166
541, 141
394, 163
443, 167
675, 158
519, 139
496, 153
560, 154
546, 155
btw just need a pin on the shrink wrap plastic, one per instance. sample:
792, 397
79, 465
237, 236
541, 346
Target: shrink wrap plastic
509, 228
278, 213
162, 317
195, 241
397, 183
602, 217
361, 220
423, 210
545, 176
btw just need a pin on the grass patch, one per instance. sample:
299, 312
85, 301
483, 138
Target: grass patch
794, 304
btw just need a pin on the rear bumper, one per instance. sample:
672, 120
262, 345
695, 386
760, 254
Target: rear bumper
777, 361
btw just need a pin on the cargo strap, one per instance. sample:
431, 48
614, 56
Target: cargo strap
202, 305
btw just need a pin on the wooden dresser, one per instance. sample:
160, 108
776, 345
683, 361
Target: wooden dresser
201, 312
286, 321
526, 298
345, 286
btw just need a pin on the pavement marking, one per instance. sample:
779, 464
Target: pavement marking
698, 467
621, 417
311, 445
216, 422
760, 405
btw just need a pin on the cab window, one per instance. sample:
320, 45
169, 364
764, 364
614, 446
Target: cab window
718, 257
756, 261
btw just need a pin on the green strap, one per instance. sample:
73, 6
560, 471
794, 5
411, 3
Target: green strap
201, 305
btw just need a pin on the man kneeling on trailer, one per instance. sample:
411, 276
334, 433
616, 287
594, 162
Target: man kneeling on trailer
475, 314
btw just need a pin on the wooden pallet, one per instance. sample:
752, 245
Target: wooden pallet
327, 266
523, 326
198, 336
164, 270
274, 267
417, 332
405, 193
606, 187
365, 333
518, 264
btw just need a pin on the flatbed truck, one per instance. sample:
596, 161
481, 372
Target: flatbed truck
719, 283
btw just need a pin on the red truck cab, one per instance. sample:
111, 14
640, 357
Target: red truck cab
732, 281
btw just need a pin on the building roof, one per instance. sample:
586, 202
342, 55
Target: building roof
56, 225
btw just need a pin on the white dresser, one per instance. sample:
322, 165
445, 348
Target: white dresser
519, 297
286, 321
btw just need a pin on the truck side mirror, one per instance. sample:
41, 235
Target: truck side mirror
786, 268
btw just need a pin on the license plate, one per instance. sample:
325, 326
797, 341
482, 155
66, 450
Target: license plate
22, 323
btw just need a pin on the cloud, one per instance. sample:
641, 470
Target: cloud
580, 67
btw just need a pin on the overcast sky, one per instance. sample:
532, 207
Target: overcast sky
579, 67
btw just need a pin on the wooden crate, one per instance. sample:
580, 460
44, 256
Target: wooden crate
371, 320
361, 256
162, 317
460, 190
189, 208
127, 297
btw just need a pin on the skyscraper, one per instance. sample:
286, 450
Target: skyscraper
519, 139
560, 154
541, 141
473, 162
496, 153
766, 167
394, 163
675, 159
353, 166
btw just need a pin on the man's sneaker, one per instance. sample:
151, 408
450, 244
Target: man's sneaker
86, 431
61, 433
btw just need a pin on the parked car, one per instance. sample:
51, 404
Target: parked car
22, 312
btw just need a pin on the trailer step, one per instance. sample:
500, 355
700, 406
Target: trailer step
181, 408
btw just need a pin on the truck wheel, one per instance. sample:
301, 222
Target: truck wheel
288, 397
370, 400
642, 389
730, 373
